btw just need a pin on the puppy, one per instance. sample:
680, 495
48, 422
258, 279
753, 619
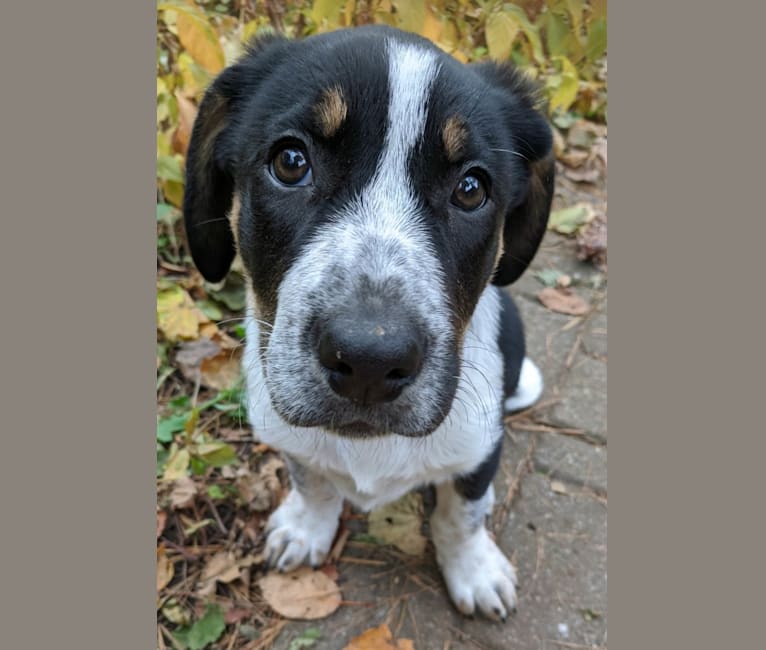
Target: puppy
378, 192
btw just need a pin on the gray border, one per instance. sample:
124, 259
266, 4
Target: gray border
685, 496
77, 264
78, 269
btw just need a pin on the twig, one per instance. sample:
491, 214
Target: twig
521, 471
339, 545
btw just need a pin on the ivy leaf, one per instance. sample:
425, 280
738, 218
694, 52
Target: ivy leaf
205, 631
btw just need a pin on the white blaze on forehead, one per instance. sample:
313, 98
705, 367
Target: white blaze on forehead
411, 73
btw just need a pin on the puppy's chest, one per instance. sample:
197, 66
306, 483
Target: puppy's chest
370, 473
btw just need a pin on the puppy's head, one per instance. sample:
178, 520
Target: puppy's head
373, 186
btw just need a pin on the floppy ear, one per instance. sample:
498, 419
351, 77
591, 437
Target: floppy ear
210, 162
526, 221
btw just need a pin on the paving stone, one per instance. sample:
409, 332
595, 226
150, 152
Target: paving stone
566, 458
583, 398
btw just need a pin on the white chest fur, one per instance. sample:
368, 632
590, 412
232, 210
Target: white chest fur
371, 472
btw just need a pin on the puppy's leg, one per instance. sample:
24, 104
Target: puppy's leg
304, 525
477, 574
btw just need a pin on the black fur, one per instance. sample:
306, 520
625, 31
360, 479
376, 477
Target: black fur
511, 343
473, 486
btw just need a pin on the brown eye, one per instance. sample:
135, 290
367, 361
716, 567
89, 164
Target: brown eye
291, 166
470, 193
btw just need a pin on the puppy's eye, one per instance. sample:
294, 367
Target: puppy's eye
470, 193
291, 166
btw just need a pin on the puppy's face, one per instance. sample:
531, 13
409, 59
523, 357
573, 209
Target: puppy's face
374, 187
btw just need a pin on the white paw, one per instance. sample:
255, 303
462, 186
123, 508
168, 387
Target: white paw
299, 531
529, 388
479, 576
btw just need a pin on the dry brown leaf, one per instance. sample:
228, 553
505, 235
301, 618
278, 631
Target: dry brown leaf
222, 567
574, 157
165, 569
162, 518
559, 488
399, 523
183, 492
260, 490
591, 242
187, 112
216, 366
585, 175
378, 638
563, 301
303, 594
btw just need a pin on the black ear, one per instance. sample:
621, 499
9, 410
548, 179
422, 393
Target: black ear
527, 220
210, 162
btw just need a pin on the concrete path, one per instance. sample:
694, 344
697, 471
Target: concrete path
551, 513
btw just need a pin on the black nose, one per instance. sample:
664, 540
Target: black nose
370, 360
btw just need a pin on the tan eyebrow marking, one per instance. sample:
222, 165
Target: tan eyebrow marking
331, 111
454, 135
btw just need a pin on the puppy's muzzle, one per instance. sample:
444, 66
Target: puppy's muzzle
369, 358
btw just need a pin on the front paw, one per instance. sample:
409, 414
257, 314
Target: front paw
298, 532
478, 576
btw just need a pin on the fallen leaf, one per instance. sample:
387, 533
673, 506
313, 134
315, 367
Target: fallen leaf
183, 492
591, 242
222, 567
574, 157
187, 112
177, 465
559, 488
563, 301
177, 316
216, 364
399, 524
588, 175
260, 490
303, 594
162, 518
165, 570
306, 640
378, 638
570, 219
205, 631
175, 613
237, 614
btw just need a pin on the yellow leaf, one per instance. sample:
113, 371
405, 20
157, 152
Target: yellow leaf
501, 30
399, 523
177, 464
327, 10
165, 569
410, 15
173, 192
566, 93
195, 79
433, 26
177, 315
200, 40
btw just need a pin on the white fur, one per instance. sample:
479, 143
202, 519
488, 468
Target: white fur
529, 389
372, 472
301, 529
477, 574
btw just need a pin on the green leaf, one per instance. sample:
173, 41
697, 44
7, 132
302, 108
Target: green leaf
309, 637
216, 454
210, 309
168, 426
205, 631
215, 492
501, 30
232, 294
548, 277
568, 220
530, 30
169, 168
596, 45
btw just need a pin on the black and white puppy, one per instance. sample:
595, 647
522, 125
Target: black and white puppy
378, 191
